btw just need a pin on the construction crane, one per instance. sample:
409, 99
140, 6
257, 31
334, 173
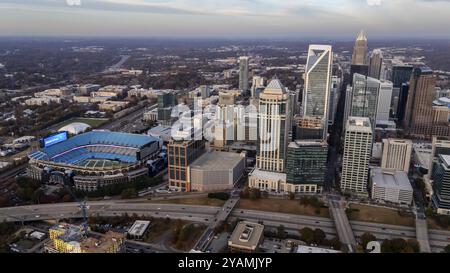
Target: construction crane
81, 204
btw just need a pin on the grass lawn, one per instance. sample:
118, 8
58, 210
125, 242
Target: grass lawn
379, 215
194, 234
163, 230
432, 224
282, 206
191, 201
93, 122
157, 228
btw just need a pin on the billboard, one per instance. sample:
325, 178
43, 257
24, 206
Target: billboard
54, 139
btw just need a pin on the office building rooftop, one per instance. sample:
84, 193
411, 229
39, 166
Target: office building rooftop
216, 160
391, 179
246, 235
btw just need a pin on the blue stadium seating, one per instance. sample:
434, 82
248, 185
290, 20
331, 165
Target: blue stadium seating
125, 150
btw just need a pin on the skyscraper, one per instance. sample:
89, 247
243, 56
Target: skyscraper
243, 73
365, 92
334, 98
376, 62
401, 74
359, 63
360, 49
316, 93
308, 128
257, 82
348, 103
419, 106
384, 101
441, 185
224, 129
438, 146
274, 126
401, 104
357, 152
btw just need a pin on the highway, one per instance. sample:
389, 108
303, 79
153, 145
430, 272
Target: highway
118, 65
117, 124
207, 214
220, 217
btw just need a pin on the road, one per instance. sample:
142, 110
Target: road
342, 224
422, 234
221, 216
334, 141
12, 173
206, 214
117, 65
118, 123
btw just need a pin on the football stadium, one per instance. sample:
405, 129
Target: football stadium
93, 159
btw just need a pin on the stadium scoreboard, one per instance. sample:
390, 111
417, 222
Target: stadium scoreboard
54, 139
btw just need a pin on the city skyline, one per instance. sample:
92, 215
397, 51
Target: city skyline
207, 126
238, 19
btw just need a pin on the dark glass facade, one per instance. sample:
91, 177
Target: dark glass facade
358, 69
166, 100
402, 100
441, 185
306, 162
400, 75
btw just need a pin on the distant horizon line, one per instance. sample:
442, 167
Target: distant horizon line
227, 38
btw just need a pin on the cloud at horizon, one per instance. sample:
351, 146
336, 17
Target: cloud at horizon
215, 18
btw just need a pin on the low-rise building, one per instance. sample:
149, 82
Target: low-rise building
82, 99
103, 94
141, 92
138, 229
117, 89
42, 100
215, 171
391, 186
68, 238
113, 105
151, 115
56, 92
246, 237
311, 249
162, 132
266, 181
24, 140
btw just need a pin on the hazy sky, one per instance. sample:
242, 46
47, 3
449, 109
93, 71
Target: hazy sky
226, 18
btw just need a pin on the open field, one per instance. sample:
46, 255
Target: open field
163, 231
379, 215
282, 206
